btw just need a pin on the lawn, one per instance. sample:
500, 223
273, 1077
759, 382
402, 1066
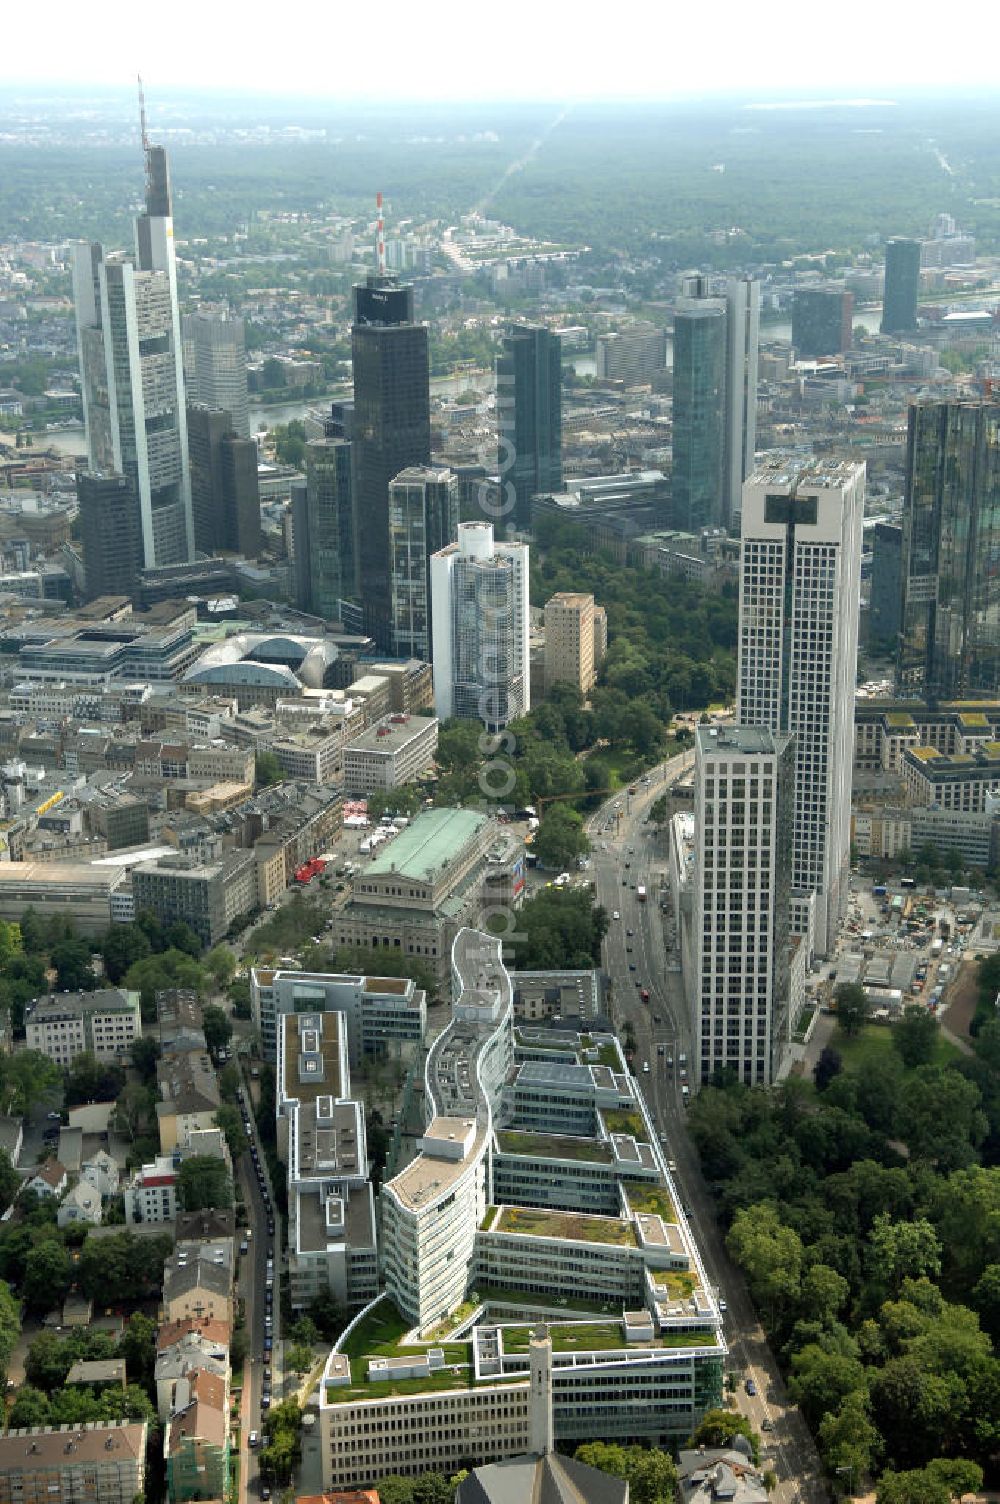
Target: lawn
535, 1222
380, 1336
652, 1198
346, 1393
608, 1055
553, 1146
624, 1120
489, 1219
874, 1043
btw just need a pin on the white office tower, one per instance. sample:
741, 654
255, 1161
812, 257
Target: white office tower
129, 333
740, 993
215, 364
742, 300
800, 568
479, 590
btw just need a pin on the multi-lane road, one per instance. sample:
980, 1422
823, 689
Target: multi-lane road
253, 1285
627, 853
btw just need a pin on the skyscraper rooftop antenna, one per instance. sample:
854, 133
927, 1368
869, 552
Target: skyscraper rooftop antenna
143, 132
142, 115
380, 240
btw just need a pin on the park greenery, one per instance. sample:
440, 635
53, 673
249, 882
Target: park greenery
556, 929
864, 1210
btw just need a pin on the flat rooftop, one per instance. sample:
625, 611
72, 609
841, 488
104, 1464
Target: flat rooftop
391, 734
747, 740
424, 849
425, 1178
311, 1056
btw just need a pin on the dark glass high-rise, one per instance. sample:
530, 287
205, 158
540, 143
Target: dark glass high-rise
391, 428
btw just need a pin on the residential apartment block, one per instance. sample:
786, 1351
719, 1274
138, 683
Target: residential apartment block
69, 1023
104, 1464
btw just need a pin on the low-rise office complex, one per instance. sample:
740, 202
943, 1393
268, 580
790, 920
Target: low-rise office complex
539, 1193
397, 751
381, 1014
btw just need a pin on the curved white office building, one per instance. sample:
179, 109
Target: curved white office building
431, 1210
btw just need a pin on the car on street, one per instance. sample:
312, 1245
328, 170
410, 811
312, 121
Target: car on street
767, 1424
253, 1440
722, 1306
645, 1067
671, 1165
630, 933
750, 1387
265, 1492
659, 1049
616, 915
631, 966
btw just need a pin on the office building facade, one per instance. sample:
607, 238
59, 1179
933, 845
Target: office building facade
740, 297
902, 285
800, 565
740, 992
215, 364
134, 403
529, 420
423, 518
632, 356
575, 640
225, 499
950, 633
700, 347
329, 526
391, 429
821, 321
111, 537
886, 597
480, 627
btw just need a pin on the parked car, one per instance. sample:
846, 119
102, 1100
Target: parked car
750, 1387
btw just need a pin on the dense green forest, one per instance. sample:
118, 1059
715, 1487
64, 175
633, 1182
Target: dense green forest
866, 1218
719, 181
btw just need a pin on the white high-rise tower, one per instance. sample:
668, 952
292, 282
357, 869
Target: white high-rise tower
480, 621
741, 985
800, 569
129, 333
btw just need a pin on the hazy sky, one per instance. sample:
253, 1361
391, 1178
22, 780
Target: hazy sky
468, 49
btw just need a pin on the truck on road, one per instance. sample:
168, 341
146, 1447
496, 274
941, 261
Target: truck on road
640, 892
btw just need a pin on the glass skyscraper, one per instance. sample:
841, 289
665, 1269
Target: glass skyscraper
950, 640
391, 429
529, 420
329, 524
129, 333
699, 478
902, 285
423, 518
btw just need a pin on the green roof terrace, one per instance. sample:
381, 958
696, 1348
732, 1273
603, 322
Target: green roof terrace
600, 1336
575, 1227
625, 1120
553, 1146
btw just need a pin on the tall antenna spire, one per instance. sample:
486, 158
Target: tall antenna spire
380, 242
142, 116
